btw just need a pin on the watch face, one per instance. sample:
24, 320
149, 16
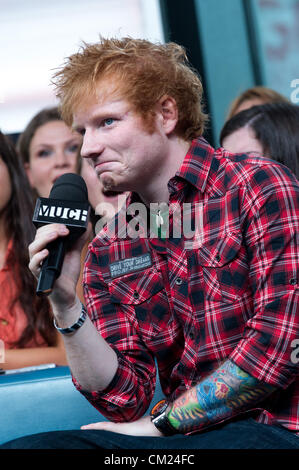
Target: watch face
160, 420
159, 407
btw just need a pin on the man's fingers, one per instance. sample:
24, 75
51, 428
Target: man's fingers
37, 249
100, 425
36, 261
141, 427
45, 235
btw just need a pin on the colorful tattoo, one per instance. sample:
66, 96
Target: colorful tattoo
222, 395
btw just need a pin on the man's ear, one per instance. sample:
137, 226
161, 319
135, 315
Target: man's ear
168, 111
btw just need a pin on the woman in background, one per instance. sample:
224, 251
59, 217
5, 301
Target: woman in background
270, 130
26, 326
48, 148
254, 96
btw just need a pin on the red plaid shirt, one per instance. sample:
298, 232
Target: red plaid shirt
231, 292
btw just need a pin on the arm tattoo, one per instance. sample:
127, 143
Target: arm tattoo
226, 392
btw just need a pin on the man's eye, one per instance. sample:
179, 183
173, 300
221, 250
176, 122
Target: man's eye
108, 122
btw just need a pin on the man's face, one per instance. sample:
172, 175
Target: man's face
124, 155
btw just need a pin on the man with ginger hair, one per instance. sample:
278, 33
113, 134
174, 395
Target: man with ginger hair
216, 313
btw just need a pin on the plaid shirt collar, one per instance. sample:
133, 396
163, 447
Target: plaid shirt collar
199, 164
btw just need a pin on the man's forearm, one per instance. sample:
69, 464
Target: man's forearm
222, 395
92, 361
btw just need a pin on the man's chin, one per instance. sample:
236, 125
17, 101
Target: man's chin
111, 194
110, 188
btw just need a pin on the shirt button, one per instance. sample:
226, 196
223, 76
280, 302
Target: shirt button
178, 281
293, 281
136, 295
217, 258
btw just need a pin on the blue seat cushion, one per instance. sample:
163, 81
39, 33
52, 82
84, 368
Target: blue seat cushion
44, 400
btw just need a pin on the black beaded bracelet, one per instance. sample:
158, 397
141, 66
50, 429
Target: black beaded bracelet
75, 326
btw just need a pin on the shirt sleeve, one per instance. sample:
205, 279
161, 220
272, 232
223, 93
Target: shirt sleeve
270, 228
130, 392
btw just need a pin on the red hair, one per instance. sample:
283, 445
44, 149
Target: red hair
141, 72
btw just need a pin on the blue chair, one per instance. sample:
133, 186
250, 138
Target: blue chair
44, 400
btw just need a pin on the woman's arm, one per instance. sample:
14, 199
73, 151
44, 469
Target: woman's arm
17, 358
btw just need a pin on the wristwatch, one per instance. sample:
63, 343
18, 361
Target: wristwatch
75, 326
159, 418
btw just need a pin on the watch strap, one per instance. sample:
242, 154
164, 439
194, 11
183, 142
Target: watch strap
160, 419
75, 326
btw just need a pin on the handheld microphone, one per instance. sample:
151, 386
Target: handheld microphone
67, 204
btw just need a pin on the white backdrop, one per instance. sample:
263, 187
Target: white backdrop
36, 36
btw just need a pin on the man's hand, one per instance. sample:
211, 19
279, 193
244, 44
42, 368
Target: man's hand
65, 286
141, 427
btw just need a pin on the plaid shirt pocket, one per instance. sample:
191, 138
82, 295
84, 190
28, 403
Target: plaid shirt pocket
143, 297
135, 288
224, 268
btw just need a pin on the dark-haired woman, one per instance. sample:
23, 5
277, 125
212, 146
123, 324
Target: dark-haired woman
26, 326
254, 96
270, 130
48, 148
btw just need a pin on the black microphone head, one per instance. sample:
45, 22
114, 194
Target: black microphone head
67, 204
69, 187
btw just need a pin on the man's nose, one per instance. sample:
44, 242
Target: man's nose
91, 146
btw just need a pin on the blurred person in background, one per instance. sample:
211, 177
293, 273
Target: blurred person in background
48, 148
26, 325
253, 97
270, 130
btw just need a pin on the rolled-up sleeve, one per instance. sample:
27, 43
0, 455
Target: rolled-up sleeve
270, 226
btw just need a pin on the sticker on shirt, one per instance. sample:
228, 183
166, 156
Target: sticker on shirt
129, 265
